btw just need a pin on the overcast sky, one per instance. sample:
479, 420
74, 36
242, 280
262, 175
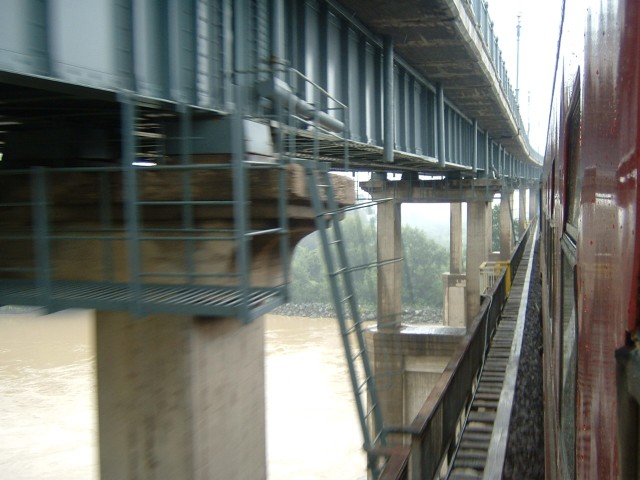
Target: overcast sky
539, 30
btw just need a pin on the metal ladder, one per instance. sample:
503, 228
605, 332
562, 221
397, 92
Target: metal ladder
346, 308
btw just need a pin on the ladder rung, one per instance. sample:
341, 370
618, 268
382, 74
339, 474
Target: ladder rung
347, 298
325, 213
371, 410
351, 329
337, 272
362, 385
357, 355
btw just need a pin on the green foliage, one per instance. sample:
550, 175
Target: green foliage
495, 228
423, 265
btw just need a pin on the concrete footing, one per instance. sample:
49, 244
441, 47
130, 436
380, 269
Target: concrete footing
407, 365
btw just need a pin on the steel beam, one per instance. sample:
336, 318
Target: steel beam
388, 94
441, 127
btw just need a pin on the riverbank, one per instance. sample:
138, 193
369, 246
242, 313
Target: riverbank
323, 310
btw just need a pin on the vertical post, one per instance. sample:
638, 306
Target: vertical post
242, 55
442, 151
533, 202
390, 274
187, 206
506, 238
38, 36
277, 36
476, 254
388, 359
106, 224
522, 211
455, 238
131, 201
182, 50
388, 86
489, 229
240, 206
454, 287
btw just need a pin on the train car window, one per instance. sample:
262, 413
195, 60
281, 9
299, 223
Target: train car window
572, 155
569, 360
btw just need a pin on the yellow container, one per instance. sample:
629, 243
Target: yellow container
491, 271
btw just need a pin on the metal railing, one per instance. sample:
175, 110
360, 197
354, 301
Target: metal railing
146, 228
433, 433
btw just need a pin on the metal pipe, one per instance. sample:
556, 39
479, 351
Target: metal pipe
278, 91
388, 93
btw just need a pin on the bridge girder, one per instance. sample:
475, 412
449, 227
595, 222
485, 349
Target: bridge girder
201, 55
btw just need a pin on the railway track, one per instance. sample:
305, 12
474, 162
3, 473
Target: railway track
482, 446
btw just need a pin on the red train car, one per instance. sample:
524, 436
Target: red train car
590, 254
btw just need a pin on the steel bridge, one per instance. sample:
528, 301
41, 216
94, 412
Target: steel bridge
163, 157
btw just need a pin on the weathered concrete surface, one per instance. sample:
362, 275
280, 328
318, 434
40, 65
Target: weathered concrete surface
178, 396
506, 225
412, 190
407, 364
476, 253
389, 249
455, 285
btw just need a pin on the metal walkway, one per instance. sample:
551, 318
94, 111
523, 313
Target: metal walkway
482, 447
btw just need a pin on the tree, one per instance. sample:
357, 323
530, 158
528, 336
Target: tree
495, 228
424, 262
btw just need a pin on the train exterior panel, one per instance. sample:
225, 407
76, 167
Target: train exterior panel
590, 254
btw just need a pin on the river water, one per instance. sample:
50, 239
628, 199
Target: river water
48, 403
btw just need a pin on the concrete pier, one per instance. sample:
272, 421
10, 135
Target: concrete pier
478, 244
454, 281
522, 211
533, 202
389, 234
506, 226
179, 396
408, 360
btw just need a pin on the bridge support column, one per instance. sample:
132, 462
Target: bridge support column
477, 240
533, 203
180, 397
522, 211
454, 280
389, 275
389, 354
506, 226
